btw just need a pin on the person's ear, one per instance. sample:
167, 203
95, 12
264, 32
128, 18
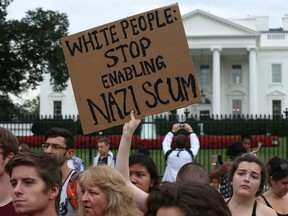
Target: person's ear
10, 155
152, 183
54, 191
271, 180
69, 153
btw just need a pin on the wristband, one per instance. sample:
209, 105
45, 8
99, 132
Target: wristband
214, 164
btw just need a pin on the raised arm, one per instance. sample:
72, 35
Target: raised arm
194, 141
215, 171
122, 162
166, 144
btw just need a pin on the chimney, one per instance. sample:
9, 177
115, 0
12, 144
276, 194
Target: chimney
285, 22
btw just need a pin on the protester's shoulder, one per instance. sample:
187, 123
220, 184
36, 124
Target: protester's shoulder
74, 175
77, 160
96, 155
260, 199
264, 210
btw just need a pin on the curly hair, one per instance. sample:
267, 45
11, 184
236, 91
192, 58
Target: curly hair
121, 201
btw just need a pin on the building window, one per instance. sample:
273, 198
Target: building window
57, 108
236, 107
236, 74
204, 74
276, 73
204, 115
276, 108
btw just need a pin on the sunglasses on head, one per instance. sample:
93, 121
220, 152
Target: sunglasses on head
284, 166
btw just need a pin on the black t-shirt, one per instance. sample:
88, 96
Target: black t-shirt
103, 160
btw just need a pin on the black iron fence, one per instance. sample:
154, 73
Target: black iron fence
214, 132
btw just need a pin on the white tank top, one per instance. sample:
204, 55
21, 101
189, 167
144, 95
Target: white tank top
66, 209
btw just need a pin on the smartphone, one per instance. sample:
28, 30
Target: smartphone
220, 161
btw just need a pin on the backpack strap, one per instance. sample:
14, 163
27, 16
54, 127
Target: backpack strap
170, 150
168, 153
190, 152
72, 189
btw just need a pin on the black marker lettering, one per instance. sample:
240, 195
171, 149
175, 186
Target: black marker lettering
145, 87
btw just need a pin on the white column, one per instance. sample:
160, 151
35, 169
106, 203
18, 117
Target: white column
252, 82
181, 114
148, 128
216, 101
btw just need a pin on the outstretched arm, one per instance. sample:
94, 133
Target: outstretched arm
166, 144
257, 149
122, 162
194, 141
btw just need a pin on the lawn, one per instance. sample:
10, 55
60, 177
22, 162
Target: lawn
203, 157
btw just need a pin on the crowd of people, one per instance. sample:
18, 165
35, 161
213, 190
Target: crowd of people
55, 182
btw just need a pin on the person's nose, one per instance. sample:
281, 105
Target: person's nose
49, 150
133, 179
85, 197
17, 189
247, 177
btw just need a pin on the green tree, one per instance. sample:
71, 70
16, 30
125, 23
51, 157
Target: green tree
29, 48
31, 107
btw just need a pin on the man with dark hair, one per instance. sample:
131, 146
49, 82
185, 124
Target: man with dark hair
176, 158
9, 147
59, 142
104, 155
194, 172
36, 181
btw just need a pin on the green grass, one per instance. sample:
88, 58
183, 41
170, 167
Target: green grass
203, 157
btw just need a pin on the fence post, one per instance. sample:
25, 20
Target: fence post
286, 118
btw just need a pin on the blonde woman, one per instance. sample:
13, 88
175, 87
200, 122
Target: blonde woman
103, 192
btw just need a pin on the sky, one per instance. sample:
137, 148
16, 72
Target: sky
86, 14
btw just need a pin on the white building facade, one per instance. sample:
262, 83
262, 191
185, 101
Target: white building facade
56, 103
242, 68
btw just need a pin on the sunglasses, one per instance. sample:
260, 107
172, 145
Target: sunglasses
284, 166
53, 146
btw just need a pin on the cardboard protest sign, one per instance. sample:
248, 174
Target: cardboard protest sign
140, 62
